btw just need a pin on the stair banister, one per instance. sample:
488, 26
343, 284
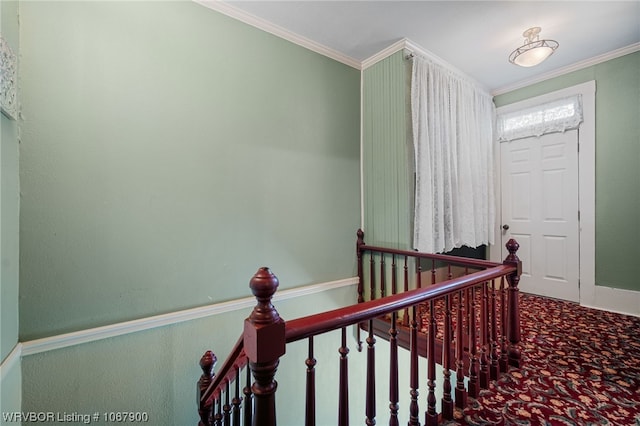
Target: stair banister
265, 334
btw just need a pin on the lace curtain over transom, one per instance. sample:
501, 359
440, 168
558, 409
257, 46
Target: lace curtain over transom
552, 117
453, 146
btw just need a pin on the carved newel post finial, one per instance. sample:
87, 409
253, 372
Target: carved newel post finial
264, 344
263, 286
512, 247
360, 235
513, 303
207, 362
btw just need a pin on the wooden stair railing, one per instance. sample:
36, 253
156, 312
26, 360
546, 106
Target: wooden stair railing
431, 269
265, 337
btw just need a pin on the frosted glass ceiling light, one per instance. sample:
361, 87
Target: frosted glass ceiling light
534, 50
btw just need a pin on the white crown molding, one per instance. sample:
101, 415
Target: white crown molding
570, 68
254, 21
410, 46
247, 18
89, 335
385, 53
10, 361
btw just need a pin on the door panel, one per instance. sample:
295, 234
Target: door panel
540, 206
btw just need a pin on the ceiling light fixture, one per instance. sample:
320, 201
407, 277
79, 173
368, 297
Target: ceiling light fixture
534, 50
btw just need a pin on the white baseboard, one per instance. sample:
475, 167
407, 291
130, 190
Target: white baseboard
89, 335
616, 300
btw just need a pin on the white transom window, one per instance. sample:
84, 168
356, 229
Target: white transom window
556, 116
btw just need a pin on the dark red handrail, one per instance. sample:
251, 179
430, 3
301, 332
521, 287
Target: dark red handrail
314, 325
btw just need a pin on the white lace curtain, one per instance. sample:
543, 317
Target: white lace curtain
453, 133
552, 117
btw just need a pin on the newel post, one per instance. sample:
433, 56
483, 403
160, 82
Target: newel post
264, 344
359, 244
513, 303
207, 362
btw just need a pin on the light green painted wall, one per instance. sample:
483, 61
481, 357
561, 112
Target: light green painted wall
133, 375
10, 391
156, 371
387, 165
10, 377
9, 206
167, 152
10, 201
617, 159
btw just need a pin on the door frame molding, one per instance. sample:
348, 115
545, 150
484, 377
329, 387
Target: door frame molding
586, 183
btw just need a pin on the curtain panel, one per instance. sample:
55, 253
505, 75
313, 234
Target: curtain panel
452, 121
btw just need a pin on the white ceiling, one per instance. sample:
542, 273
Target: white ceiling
476, 37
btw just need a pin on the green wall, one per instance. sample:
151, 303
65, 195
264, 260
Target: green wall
167, 152
10, 378
617, 159
156, 371
386, 153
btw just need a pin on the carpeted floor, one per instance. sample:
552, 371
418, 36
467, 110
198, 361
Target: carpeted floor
581, 367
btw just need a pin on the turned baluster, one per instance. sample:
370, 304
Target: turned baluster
433, 271
413, 370
504, 346
217, 418
247, 412
405, 315
473, 351
310, 407
237, 400
383, 274
513, 303
447, 402
264, 342
394, 271
370, 409
205, 409
226, 408
393, 371
484, 331
461, 393
494, 370
343, 394
372, 275
431, 416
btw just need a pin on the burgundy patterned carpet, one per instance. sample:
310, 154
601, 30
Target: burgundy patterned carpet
581, 367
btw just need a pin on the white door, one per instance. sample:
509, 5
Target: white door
540, 210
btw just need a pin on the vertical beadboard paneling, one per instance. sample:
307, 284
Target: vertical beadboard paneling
387, 169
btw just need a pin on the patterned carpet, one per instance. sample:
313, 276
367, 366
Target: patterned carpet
581, 367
